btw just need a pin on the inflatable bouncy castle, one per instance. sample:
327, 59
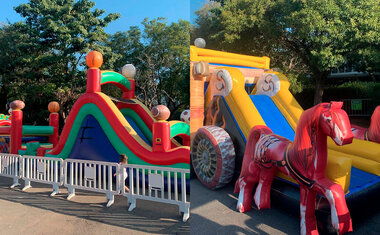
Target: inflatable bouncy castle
15, 137
231, 94
100, 127
5, 120
373, 132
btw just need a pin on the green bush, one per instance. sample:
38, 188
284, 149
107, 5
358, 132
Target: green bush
348, 90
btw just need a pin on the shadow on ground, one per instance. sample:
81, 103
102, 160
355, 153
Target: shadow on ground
149, 217
214, 212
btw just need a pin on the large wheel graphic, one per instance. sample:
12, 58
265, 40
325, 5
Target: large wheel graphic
213, 156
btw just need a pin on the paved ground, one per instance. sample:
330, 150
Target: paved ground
213, 212
34, 212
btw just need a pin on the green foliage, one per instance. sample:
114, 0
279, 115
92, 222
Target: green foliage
348, 90
295, 84
160, 53
303, 37
42, 57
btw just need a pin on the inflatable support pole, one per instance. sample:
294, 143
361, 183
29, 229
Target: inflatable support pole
161, 136
161, 129
16, 126
54, 122
131, 93
94, 60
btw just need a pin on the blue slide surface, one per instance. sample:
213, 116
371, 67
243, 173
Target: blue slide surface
137, 129
272, 117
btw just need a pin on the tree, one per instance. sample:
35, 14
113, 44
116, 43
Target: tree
318, 35
42, 58
160, 53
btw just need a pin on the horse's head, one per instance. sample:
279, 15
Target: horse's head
335, 123
374, 128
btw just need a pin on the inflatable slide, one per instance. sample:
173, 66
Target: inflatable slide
100, 127
242, 92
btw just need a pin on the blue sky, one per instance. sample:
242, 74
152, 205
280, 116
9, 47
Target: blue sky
132, 12
194, 6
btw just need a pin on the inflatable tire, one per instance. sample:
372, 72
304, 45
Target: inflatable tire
213, 156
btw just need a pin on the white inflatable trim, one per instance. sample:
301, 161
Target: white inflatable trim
223, 81
269, 84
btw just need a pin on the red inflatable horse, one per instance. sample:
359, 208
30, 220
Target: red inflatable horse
304, 160
373, 132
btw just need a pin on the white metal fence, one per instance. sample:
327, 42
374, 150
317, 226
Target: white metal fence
10, 167
160, 184
44, 170
101, 177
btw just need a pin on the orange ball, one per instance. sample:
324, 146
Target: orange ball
17, 105
94, 59
53, 107
161, 112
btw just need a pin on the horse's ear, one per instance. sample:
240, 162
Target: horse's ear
336, 104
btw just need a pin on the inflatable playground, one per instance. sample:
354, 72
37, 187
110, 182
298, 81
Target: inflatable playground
5, 120
243, 120
100, 127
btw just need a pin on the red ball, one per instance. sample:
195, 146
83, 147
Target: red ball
17, 104
161, 112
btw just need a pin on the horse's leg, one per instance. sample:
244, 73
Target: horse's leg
307, 211
262, 195
340, 215
244, 185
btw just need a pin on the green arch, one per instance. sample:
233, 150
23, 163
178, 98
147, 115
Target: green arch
116, 79
179, 128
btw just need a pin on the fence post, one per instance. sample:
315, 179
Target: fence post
56, 179
184, 207
109, 194
70, 188
28, 167
17, 173
131, 199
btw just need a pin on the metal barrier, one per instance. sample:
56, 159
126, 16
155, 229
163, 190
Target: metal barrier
44, 170
10, 167
158, 184
92, 176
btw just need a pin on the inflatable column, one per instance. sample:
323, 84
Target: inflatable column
16, 126
129, 71
161, 129
198, 73
94, 60
54, 122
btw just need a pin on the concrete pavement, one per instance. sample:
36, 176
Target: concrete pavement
35, 212
213, 212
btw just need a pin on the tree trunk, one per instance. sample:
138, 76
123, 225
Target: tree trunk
319, 85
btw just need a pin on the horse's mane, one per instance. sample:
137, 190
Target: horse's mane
304, 144
374, 128
308, 119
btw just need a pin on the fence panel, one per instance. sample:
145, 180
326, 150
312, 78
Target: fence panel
160, 184
44, 170
10, 165
92, 176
